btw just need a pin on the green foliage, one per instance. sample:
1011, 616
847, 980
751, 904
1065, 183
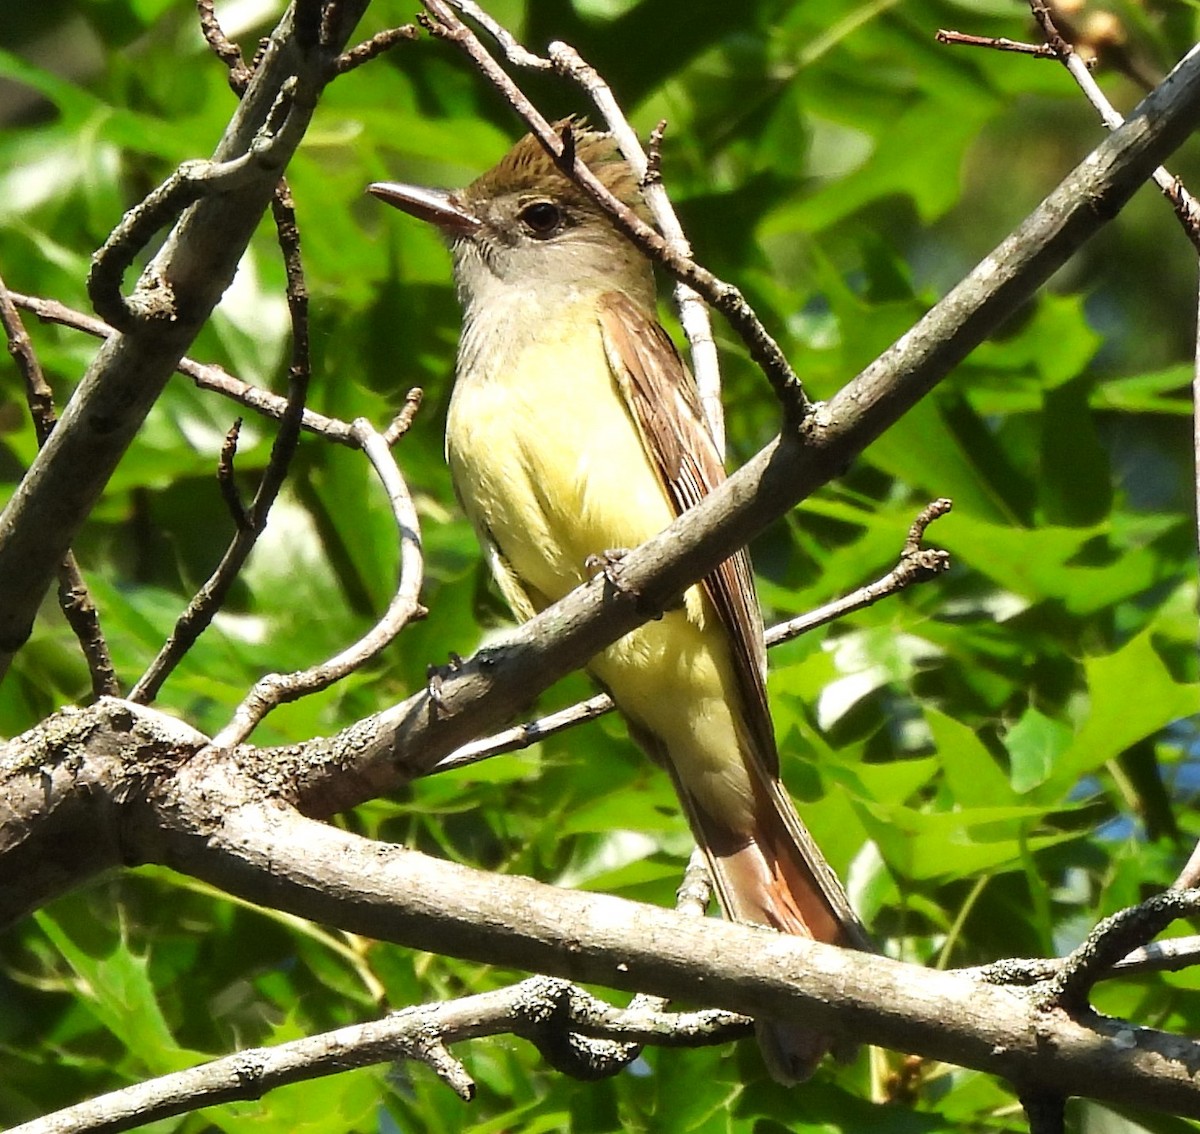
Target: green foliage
993, 761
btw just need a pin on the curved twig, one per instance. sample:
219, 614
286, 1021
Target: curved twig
916, 565
276, 689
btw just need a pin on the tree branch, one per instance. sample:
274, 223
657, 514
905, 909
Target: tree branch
276, 858
74, 597
206, 376
188, 276
531, 1009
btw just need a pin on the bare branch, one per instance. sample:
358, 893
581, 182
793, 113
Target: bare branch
74, 598
259, 849
997, 43
376, 45
1169, 956
916, 565
276, 689
268, 855
79, 609
1171, 187
533, 1009
1111, 940
1057, 47
205, 376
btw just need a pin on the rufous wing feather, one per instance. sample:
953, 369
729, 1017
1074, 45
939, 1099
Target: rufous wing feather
775, 874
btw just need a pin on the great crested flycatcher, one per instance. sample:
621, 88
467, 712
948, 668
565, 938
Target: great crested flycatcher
575, 427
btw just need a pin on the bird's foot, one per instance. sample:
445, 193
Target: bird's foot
608, 564
434, 676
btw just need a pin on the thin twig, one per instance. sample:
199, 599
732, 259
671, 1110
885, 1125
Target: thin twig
225, 478
205, 376
223, 48
513, 50
79, 609
1112, 940
250, 523
916, 565
402, 422
693, 313
1170, 956
440, 20
1171, 187
276, 689
74, 598
378, 43
996, 43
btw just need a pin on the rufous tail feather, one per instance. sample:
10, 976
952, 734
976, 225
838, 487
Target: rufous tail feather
778, 877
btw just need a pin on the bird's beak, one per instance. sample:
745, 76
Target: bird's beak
433, 205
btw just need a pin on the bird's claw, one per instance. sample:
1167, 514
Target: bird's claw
608, 564
434, 676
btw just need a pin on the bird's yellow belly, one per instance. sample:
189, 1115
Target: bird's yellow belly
551, 469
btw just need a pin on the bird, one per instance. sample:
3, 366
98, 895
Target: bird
574, 431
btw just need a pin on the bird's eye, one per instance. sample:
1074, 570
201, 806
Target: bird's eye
541, 218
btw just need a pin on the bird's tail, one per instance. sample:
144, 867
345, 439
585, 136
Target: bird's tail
778, 877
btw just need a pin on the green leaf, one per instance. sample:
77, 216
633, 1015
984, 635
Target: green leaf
1131, 695
116, 985
971, 771
1034, 744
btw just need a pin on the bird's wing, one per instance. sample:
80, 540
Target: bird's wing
662, 399
780, 877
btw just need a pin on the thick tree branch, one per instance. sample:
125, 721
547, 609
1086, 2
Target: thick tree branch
189, 275
271, 856
135, 797
916, 565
